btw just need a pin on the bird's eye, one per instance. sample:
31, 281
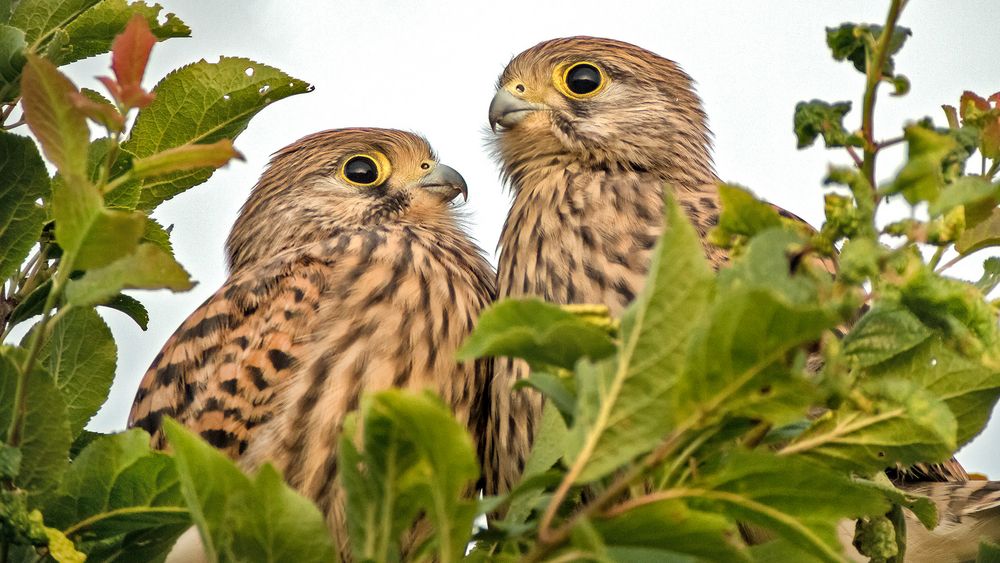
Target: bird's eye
365, 170
582, 80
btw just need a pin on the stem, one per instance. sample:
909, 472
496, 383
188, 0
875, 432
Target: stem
8, 110
938, 254
854, 156
951, 263
875, 62
87, 522
994, 168
34, 347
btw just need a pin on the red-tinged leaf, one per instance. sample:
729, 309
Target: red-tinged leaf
113, 88
57, 123
995, 98
186, 157
970, 102
990, 142
129, 55
104, 114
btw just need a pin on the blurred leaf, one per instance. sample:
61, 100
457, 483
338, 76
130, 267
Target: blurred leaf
45, 435
32, 304
39, 18
23, 180
982, 235
186, 157
885, 331
621, 401
904, 424
964, 191
558, 390
922, 507
991, 275
48, 108
131, 307
539, 332
11, 61
98, 110
81, 356
766, 264
203, 103
921, 178
738, 361
93, 32
968, 387
242, 518
116, 486
954, 307
95, 235
989, 552
847, 42
61, 548
672, 526
125, 195
447, 462
10, 461
546, 450
149, 267
816, 117
802, 501
742, 214
82, 440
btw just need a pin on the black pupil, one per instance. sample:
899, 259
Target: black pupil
583, 79
361, 170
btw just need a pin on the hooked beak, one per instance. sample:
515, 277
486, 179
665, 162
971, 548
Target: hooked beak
508, 110
445, 182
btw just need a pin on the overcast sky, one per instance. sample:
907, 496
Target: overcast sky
431, 67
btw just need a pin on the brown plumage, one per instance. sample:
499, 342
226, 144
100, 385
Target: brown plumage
335, 289
587, 170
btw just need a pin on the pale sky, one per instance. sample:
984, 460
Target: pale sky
431, 67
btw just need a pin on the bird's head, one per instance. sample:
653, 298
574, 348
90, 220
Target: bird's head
343, 179
605, 101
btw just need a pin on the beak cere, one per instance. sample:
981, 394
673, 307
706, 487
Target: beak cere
507, 110
445, 182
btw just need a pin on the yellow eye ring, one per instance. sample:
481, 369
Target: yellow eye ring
579, 80
366, 169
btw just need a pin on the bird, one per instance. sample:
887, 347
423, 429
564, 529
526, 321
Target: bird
349, 272
588, 132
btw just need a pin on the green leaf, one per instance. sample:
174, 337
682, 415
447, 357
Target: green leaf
816, 117
131, 307
885, 331
203, 103
671, 525
11, 61
186, 157
156, 234
125, 195
445, 465
989, 552
921, 506
45, 435
965, 191
620, 411
847, 42
558, 390
984, 234
740, 359
539, 332
81, 356
116, 486
800, 500
968, 386
904, 424
92, 33
922, 177
242, 518
743, 214
10, 461
57, 124
23, 180
32, 304
546, 449
991, 275
149, 267
39, 18
765, 264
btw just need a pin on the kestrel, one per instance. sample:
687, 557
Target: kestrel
349, 273
590, 132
